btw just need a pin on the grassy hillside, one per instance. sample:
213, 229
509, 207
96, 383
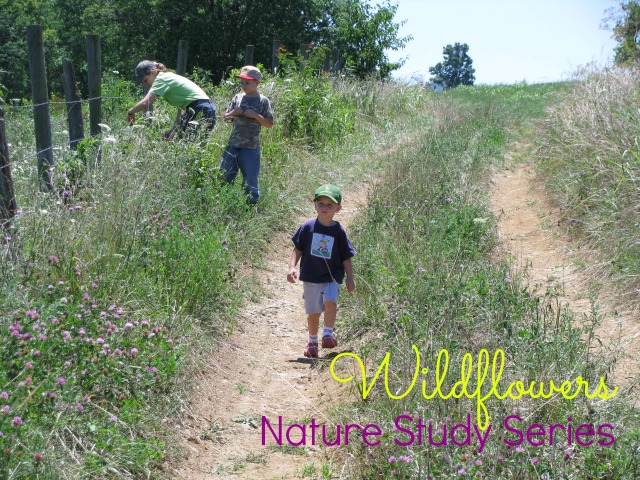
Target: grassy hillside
590, 156
111, 287
433, 281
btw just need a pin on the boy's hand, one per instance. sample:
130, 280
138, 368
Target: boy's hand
292, 276
236, 112
351, 284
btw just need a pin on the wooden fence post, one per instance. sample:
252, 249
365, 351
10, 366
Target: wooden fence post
248, 54
304, 51
74, 106
275, 63
181, 69
40, 95
183, 48
8, 204
335, 60
94, 59
326, 63
145, 90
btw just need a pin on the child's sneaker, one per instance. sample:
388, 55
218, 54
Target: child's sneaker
311, 350
329, 341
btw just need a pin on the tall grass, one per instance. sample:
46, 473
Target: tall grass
430, 280
112, 285
590, 158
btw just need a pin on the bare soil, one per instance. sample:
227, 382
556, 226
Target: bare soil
260, 369
531, 229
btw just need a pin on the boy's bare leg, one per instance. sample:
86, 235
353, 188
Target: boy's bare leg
313, 321
330, 312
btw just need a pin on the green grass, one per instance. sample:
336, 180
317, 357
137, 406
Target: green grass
590, 158
430, 279
149, 253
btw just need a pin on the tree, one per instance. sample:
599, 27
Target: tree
626, 31
456, 69
217, 32
362, 34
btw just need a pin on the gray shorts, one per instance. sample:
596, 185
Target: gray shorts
315, 294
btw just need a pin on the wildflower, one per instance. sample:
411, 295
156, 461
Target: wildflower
37, 457
17, 421
500, 458
113, 418
534, 461
462, 472
62, 380
392, 459
4, 395
479, 474
64, 300
567, 454
134, 352
519, 450
6, 409
478, 462
36, 353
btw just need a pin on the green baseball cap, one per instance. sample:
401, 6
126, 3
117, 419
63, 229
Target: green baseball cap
329, 191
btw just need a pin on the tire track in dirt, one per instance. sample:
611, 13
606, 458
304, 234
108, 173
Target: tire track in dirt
528, 226
260, 370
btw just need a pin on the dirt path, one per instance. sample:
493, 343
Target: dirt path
528, 225
260, 370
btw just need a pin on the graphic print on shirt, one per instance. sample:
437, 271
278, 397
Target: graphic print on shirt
321, 245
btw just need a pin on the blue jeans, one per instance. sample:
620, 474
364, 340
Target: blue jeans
247, 160
207, 111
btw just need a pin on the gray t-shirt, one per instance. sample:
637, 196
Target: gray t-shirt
246, 131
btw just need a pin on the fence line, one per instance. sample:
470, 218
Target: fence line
12, 107
41, 103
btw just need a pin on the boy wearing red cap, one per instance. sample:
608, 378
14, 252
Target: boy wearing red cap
249, 111
326, 252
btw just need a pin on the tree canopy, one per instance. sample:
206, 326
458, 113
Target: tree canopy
217, 32
456, 69
626, 31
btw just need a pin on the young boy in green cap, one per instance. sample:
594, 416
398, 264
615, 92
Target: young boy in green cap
325, 250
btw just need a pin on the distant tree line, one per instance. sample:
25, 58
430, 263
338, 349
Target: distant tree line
217, 32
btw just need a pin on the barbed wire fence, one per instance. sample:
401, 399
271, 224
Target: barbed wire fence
41, 103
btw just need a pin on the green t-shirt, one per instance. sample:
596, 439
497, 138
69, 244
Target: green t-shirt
178, 91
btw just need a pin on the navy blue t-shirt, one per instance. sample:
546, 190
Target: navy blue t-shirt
323, 251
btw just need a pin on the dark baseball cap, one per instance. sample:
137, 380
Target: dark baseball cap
143, 68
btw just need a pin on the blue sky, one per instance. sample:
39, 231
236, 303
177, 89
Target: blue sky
509, 40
